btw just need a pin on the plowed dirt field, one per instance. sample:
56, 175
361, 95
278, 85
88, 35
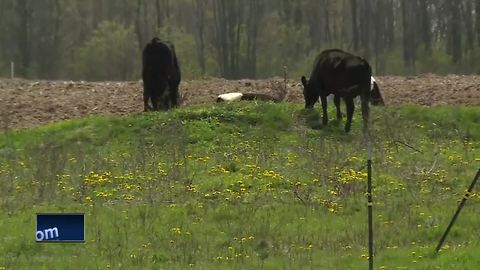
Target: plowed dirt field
27, 103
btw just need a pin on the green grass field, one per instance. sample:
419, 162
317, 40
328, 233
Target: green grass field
244, 186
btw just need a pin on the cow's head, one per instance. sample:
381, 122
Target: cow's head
309, 93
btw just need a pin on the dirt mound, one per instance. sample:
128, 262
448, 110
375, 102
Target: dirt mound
26, 103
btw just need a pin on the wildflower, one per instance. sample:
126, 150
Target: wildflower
191, 188
128, 197
179, 163
176, 230
346, 176
103, 194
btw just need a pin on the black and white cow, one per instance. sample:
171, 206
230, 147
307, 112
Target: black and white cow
161, 76
345, 76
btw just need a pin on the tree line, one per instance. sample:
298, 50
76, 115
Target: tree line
103, 39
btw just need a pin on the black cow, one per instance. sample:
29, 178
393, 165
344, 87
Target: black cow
345, 76
161, 76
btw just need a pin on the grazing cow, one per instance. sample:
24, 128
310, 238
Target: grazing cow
345, 76
161, 76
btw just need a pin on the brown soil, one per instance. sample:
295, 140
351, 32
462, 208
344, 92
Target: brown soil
26, 103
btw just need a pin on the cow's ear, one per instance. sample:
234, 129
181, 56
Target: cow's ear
304, 81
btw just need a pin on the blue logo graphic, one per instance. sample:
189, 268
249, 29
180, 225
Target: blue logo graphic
60, 228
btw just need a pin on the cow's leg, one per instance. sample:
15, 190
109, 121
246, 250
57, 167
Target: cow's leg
155, 102
174, 97
174, 94
336, 100
156, 98
167, 100
145, 100
163, 96
146, 96
350, 109
323, 99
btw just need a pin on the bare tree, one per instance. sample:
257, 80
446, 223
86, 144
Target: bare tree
255, 13
158, 10
466, 11
200, 10
455, 31
139, 28
408, 36
425, 25
477, 20
227, 17
355, 31
24, 13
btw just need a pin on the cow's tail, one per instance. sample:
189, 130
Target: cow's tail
365, 83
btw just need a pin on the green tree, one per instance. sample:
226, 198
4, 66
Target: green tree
111, 53
184, 49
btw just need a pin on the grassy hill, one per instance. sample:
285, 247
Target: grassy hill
244, 186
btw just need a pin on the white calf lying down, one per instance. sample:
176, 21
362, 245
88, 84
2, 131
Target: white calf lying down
228, 97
